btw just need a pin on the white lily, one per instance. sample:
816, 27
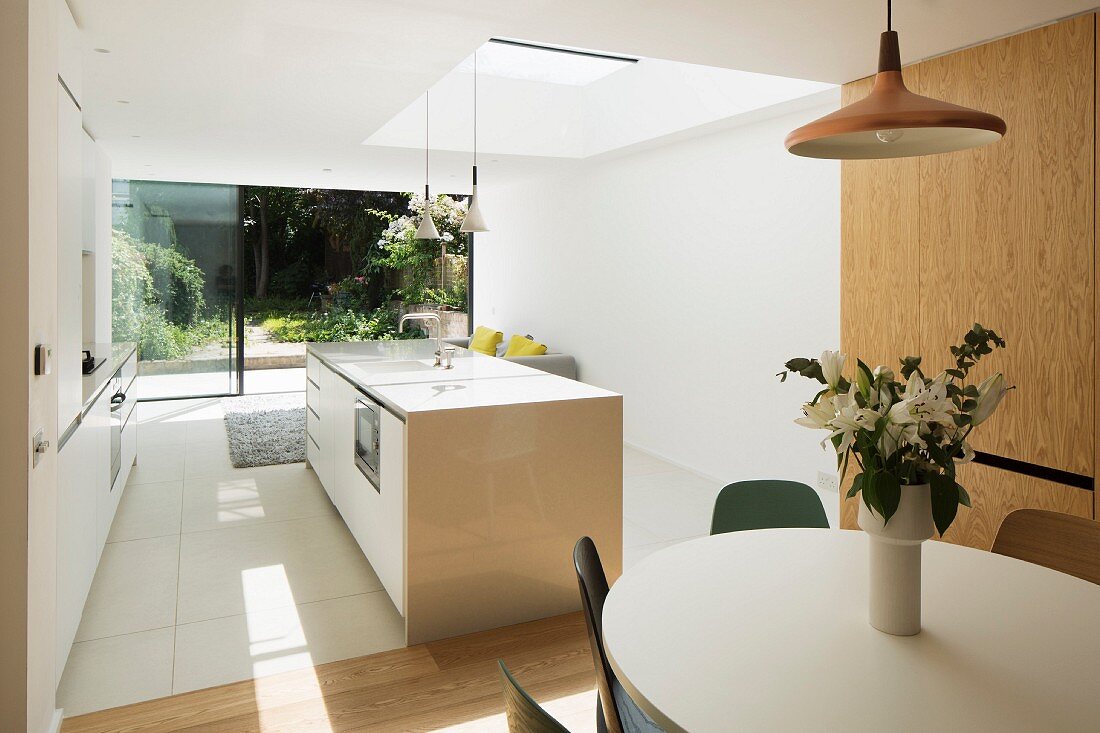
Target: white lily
967, 454
849, 419
817, 416
990, 393
832, 365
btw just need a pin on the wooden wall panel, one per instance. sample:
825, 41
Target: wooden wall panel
1006, 237
878, 246
994, 493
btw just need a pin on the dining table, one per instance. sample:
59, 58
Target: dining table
767, 630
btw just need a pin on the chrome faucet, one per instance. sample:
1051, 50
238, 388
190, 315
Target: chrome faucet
442, 356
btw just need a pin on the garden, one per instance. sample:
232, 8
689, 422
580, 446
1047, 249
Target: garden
319, 265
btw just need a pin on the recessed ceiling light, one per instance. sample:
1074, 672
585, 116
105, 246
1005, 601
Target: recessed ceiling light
123, 101
326, 170
148, 165
135, 136
102, 50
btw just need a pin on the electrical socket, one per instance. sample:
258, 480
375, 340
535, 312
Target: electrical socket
827, 481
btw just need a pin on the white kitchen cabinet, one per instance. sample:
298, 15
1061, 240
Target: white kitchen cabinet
83, 470
70, 307
385, 512
319, 423
98, 420
350, 484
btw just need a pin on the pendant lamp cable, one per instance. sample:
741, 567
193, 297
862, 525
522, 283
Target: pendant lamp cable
889, 15
475, 108
426, 124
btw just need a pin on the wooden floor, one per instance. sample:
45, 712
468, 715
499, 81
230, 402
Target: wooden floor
450, 685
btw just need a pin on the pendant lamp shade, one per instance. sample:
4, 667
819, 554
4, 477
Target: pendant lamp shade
474, 221
893, 122
427, 229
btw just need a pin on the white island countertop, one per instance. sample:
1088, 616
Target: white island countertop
400, 375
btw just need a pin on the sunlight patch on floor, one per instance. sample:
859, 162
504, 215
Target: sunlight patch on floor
576, 712
277, 643
239, 499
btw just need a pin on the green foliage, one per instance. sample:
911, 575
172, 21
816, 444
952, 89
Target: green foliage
157, 300
338, 325
403, 251
177, 283
904, 433
292, 280
130, 281
352, 293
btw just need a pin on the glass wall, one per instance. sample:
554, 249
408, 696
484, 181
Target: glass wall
174, 285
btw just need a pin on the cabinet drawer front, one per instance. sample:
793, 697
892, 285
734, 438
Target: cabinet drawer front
313, 369
313, 454
313, 396
313, 426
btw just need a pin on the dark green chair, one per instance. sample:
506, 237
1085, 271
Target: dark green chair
767, 504
524, 714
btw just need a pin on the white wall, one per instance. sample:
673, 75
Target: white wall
683, 277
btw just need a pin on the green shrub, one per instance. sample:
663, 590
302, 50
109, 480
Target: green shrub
161, 339
338, 325
292, 280
177, 283
130, 282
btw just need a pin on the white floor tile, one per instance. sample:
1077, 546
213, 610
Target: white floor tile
207, 458
223, 572
671, 505
632, 555
119, 670
148, 510
251, 496
164, 463
638, 463
635, 536
267, 642
206, 430
134, 589
154, 434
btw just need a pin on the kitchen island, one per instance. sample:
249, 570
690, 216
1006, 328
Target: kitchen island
465, 487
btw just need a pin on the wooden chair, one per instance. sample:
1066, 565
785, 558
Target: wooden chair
524, 714
767, 504
1058, 541
620, 714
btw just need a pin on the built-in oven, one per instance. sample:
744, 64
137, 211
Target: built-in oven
121, 407
368, 442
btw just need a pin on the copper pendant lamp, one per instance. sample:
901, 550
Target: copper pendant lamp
893, 122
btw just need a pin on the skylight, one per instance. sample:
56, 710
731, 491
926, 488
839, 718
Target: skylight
530, 62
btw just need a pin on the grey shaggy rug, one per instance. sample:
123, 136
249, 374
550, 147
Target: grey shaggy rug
264, 430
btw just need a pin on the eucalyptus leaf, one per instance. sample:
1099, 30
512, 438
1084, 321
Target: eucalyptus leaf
888, 491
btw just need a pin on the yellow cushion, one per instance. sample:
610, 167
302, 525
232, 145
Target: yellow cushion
521, 346
485, 340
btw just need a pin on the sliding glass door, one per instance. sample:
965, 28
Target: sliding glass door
175, 285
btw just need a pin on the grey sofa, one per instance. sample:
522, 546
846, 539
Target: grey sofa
551, 362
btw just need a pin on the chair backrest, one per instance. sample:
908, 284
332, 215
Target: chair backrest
593, 585
1058, 541
524, 714
767, 504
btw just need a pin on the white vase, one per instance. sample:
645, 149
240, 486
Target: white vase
895, 555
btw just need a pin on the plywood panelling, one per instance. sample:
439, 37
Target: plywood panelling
878, 247
1004, 235
994, 493
1006, 238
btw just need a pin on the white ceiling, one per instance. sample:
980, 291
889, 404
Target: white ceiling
274, 91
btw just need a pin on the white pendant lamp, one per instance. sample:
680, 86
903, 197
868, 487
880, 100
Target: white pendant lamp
474, 221
893, 122
427, 229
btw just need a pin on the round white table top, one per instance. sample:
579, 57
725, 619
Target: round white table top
768, 631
